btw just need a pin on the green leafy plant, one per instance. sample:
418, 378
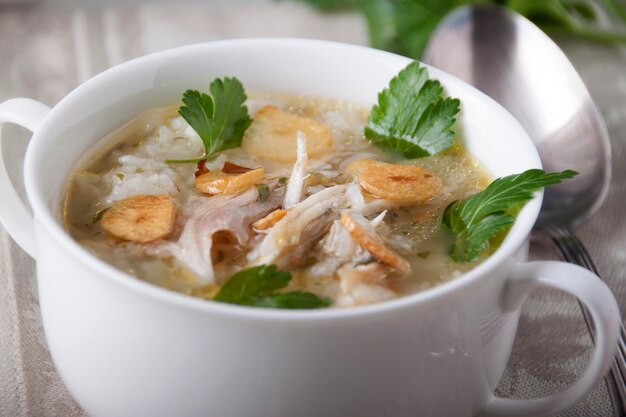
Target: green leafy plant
479, 218
404, 26
412, 116
258, 287
220, 119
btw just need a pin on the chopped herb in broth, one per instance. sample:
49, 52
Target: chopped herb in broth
293, 202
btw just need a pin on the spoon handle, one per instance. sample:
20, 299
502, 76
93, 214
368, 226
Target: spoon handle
574, 251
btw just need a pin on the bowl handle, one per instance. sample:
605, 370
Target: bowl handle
14, 216
604, 311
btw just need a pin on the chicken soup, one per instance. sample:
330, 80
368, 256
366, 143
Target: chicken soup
286, 201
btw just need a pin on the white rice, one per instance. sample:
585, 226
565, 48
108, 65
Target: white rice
145, 172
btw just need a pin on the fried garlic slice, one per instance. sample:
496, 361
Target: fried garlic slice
406, 183
269, 220
272, 135
362, 232
218, 182
141, 219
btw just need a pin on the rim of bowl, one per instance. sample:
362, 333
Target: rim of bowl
513, 241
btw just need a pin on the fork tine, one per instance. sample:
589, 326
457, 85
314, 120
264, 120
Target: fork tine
574, 251
581, 250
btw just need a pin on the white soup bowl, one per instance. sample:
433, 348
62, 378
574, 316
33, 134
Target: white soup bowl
126, 348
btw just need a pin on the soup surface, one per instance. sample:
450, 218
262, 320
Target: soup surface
306, 192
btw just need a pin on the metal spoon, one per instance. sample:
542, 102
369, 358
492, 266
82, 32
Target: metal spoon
514, 62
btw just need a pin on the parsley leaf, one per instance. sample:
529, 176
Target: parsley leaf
412, 116
257, 287
220, 119
477, 219
292, 300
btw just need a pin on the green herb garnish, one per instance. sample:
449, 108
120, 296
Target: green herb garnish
282, 181
405, 26
220, 119
412, 117
264, 192
477, 219
258, 286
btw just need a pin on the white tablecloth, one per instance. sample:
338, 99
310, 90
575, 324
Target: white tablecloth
48, 48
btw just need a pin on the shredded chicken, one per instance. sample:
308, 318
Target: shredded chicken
287, 232
339, 248
355, 196
295, 186
309, 238
338, 243
218, 214
378, 220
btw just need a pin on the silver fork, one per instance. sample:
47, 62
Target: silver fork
574, 252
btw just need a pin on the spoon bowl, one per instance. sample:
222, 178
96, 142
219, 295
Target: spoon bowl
513, 61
